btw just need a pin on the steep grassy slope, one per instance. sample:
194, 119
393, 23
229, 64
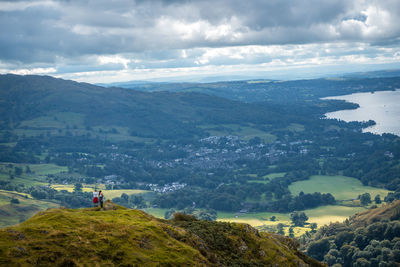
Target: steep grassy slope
123, 237
387, 212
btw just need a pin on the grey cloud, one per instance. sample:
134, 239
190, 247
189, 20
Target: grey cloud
94, 27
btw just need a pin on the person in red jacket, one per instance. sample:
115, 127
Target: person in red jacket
96, 198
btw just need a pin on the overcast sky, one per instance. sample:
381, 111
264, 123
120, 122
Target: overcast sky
119, 40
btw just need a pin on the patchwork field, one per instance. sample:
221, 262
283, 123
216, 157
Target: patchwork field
321, 215
341, 187
108, 194
36, 177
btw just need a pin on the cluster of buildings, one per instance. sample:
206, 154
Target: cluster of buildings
167, 187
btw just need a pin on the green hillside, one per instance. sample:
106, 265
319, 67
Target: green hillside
118, 236
35, 105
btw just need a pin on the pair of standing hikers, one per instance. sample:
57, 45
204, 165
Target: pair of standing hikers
98, 197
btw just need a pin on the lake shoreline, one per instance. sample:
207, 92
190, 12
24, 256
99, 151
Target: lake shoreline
378, 106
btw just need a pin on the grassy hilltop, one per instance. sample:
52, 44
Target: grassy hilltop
124, 237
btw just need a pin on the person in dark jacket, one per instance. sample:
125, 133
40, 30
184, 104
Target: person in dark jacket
101, 198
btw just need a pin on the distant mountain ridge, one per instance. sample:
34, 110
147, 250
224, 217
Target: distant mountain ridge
229, 78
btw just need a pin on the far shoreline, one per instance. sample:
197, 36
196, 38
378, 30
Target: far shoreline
383, 110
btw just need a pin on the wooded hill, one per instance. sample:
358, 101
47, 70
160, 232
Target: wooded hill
371, 238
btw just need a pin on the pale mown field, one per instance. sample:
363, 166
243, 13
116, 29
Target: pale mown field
341, 187
108, 194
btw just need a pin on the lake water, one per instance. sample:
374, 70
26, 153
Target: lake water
383, 107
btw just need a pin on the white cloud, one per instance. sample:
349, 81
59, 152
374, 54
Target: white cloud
103, 60
33, 71
86, 38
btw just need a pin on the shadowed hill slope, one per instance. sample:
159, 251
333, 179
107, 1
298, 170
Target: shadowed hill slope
121, 237
157, 114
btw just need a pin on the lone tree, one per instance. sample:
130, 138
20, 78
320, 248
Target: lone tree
27, 169
279, 227
365, 199
313, 227
18, 171
291, 232
298, 218
78, 187
14, 201
378, 199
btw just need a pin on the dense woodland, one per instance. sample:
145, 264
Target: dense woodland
367, 239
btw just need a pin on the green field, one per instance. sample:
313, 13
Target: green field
60, 122
37, 177
341, 187
70, 188
295, 127
44, 169
254, 219
57, 120
332, 213
274, 175
156, 212
11, 214
267, 178
109, 194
